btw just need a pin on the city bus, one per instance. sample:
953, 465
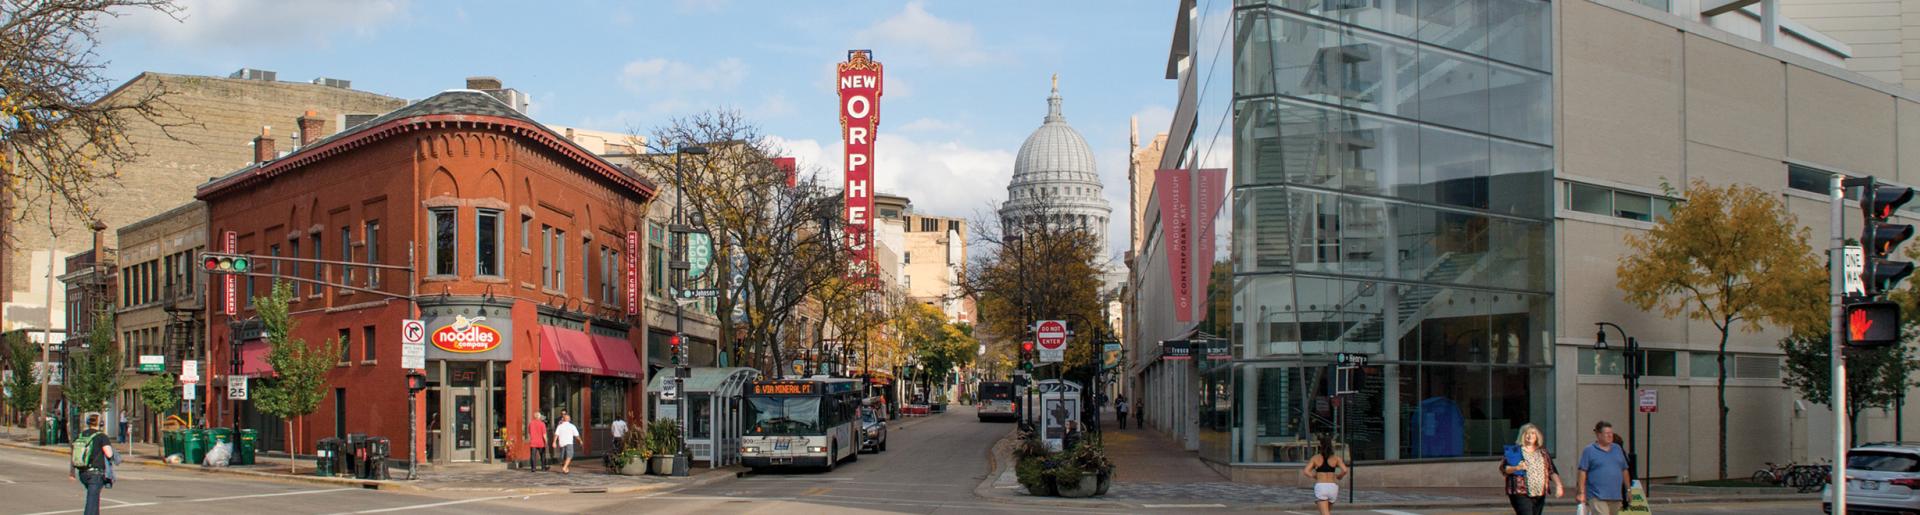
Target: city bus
810, 422
997, 401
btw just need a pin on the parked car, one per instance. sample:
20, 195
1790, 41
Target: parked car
1881, 477
875, 429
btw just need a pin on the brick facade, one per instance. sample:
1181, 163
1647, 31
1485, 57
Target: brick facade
217, 117
438, 155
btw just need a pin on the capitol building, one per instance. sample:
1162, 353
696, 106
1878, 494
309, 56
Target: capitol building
1054, 177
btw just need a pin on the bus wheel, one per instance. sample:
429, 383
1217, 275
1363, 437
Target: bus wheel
833, 455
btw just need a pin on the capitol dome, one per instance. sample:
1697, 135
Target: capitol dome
1054, 176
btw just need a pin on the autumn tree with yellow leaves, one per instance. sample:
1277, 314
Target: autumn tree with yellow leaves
1732, 256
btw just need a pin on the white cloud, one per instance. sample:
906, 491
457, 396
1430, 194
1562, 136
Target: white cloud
948, 178
662, 76
1154, 119
231, 23
916, 30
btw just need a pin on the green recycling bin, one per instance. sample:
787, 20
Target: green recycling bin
194, 448
220, 435
243, 451
50, 431
171, 442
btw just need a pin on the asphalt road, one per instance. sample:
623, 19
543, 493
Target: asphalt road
931, 466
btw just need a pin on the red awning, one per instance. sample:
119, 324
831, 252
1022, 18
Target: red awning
618, 356
253, 359
567, 350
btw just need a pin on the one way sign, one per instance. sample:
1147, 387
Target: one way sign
1854, 263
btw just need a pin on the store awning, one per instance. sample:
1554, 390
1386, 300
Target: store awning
618, 357
253, 359
567, 350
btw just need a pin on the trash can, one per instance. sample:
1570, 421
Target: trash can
243, 452
49, 431
328, 456
374, 465
170, 442
193, 449
219, 435
355, 454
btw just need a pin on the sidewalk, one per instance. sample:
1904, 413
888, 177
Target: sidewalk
1152, 471
589, 475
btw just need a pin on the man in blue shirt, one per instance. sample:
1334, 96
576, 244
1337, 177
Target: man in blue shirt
1603, 473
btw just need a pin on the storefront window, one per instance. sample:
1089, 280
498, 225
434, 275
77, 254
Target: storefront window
609, 399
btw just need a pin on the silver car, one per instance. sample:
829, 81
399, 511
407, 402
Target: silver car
1881, 478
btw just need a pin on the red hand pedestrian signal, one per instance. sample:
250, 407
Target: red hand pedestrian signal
1857, 325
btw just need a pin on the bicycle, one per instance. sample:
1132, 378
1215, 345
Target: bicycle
1772, 474
1810, 478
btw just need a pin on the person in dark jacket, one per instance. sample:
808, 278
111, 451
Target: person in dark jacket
94, 474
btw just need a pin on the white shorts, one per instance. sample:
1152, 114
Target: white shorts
1329, 492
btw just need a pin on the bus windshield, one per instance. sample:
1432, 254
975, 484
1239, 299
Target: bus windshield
996, 391
785, 416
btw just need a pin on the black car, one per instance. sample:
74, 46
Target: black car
875, 430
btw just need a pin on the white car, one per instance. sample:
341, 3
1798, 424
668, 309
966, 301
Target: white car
1881, 478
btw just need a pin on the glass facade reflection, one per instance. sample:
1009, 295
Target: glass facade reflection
1393, 166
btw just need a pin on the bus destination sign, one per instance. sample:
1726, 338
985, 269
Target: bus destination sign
784, 388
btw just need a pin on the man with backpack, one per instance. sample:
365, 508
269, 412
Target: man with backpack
91, 455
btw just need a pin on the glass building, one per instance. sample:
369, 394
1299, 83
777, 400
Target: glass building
1392, 168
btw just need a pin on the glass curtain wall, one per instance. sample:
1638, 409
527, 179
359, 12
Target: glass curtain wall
1393, 166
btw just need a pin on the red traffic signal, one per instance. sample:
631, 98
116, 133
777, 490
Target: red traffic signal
1026, 347
673, 348
1871, 324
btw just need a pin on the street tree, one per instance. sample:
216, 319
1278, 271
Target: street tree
1876, 378
160, 396
1034, 269
23, 390
300, 369
1732, 256
781, 226
938, 346
95, 376
66, 138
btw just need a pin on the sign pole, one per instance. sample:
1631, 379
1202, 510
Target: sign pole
1835, 264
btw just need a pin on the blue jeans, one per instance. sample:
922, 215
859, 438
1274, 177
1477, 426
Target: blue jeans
93, 480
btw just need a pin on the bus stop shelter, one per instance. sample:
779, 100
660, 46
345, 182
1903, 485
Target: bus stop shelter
712, 397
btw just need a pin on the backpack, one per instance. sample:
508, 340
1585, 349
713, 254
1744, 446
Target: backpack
83, 450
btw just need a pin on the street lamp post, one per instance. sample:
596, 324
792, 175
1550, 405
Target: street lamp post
1631, 373
680, 267
1026, 317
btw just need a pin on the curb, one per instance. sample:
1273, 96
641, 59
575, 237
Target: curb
402, 485
999, 461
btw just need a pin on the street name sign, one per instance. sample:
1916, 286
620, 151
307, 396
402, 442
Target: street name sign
150, 363
1051, 337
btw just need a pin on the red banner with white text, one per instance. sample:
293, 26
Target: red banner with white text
1176, 229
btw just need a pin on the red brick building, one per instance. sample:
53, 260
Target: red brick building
518, 238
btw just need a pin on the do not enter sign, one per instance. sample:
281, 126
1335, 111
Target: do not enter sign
1051, 337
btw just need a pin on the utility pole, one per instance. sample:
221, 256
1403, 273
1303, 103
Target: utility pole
680, 268
1836, 261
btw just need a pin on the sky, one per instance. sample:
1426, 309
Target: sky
966, 81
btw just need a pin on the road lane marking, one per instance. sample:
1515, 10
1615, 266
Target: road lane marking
439, 504
1394, 512
211, 499
1183, 505
116, 501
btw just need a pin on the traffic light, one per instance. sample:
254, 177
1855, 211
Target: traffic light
416, 382
1026, 355
1879, 239
215, 263
673, 348
1871, 324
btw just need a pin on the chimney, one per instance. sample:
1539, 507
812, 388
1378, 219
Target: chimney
482, 83
312, 128
263, 150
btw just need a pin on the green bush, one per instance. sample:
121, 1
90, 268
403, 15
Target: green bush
1031, 473
663, 437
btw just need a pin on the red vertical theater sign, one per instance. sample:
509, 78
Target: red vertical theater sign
633, 278
230, 283
860, 90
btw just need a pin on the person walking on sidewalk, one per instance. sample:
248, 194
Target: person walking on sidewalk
537, 442
1140, 414
1529, 469
1603, 473
620, 433
565, 436
1326, 470
1120, 409
92, 451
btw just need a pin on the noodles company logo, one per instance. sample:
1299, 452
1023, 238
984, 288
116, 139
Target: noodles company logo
466, 336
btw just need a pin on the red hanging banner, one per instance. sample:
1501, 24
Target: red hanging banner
1176, 226
231, 283
860, 89
633, 277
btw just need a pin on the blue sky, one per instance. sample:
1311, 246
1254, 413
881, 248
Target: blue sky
966, 80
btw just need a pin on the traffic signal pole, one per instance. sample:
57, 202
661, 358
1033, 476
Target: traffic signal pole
1835, 277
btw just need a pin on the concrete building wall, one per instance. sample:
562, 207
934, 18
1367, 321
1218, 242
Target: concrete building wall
1884, 34
1650, 102
212, 120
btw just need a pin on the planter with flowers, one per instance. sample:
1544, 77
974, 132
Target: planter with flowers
1081, 471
